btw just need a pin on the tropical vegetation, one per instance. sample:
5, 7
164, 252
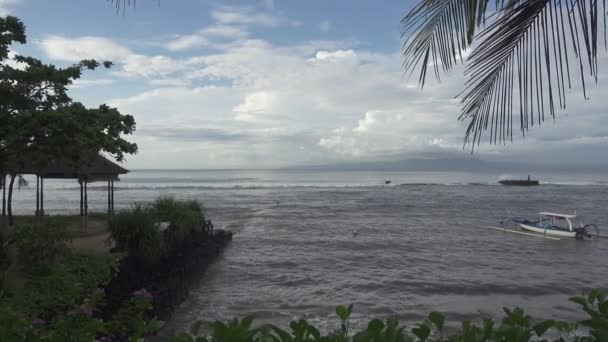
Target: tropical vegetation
516, 326
521, 56
40, 123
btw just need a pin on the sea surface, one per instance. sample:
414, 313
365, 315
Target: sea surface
421, 242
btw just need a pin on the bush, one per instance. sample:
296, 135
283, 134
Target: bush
5, 260
186, 214
64, 286
516, 326
136, 231
39, 245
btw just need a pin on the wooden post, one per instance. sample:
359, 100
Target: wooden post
86, 206
37, 194
112, 196
109, 200
41, 196
86, 200
3, 180
81, 198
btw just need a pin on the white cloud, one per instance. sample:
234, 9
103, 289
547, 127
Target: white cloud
325, 26
252, 102
245, 16
76, 49
336, 56
186, 42
81, 83
225, 31
5, 6
262, 102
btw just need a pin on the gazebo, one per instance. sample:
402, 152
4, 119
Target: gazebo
100, 169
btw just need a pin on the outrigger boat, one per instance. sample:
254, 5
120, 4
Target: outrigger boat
558, 225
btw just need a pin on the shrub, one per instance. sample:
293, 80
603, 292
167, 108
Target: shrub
39, 245
167, 208
516, 326
187, 214
5, 260
66, 285
135, 231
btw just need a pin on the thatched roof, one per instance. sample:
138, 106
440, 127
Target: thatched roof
100, 168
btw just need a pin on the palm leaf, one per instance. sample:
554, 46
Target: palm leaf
437, 32
521, 62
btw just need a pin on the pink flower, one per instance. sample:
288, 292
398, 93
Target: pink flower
39, 321
143, 293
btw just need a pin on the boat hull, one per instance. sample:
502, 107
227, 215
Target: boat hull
552, 232
519, 182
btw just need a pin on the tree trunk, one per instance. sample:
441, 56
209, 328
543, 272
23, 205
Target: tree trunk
10, 199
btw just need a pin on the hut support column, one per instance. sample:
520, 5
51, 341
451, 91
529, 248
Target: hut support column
86, 200
109, 200
3, 223
3, 181
41, 196
81, 198
112, 196
37, 195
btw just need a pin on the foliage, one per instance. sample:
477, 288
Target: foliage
522, 59
65, 286
57, 305
131, 323
40, 123
39, 245
136, 231
168, 209
516, 326
5, 260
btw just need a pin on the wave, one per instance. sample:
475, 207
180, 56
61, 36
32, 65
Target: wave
314, 185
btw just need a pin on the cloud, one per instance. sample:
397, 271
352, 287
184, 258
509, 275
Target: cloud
81, 83
233, 15
186, 42
76, 49
5, 6
225, 31
325, 26
262, 102
248, 101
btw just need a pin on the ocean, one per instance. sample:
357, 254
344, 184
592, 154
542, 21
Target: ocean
421, 242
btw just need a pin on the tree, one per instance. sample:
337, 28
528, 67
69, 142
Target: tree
523, 56
41, 122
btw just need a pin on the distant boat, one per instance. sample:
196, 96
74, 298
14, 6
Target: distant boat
387, 182
519, 182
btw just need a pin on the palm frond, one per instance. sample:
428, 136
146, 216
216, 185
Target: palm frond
124, 4
528, 51
437, 32
522, 61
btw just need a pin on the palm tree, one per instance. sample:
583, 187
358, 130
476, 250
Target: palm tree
520, 56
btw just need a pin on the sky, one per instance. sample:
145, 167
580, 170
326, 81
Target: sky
264, 84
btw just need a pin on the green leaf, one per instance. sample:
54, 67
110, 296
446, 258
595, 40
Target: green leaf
542, 327
422, 332
375, 326
195, 327
343, 312
437, 318
582, 301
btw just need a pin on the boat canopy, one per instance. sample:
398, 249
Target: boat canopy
557, 215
